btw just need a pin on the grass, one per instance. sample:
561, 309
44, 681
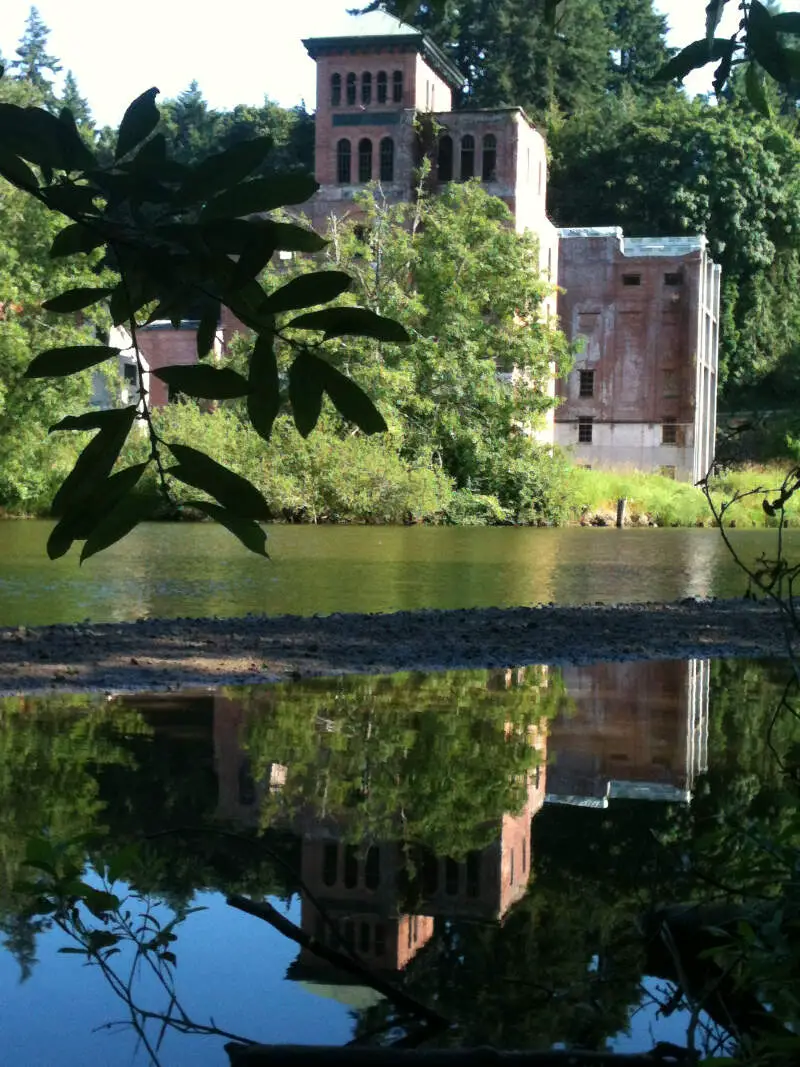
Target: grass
656, 499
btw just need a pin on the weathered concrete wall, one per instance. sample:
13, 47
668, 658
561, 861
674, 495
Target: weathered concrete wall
647, 313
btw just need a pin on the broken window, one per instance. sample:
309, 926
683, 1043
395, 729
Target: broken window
336, 90
445, 159
585, 425
467, 157
387, 160
351, 89
343, 156
365, 160
489, 162
669, 432
586, 380
631, 279
382, 87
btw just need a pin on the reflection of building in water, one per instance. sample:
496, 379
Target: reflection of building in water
637, 730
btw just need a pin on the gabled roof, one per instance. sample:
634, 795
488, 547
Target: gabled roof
378, 29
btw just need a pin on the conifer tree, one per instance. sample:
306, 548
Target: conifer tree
79, 106
33, 60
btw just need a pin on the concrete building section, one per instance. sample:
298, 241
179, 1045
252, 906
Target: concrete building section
643, 391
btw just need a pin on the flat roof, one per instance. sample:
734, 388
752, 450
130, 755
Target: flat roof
378, 29
639, 247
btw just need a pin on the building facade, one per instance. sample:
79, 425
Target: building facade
643, 392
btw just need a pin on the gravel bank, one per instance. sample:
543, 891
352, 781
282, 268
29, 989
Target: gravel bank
170, 653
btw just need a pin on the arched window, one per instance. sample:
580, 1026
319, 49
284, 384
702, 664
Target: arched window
366, 87
343, 162
365, 160
397, 87
445, 159
336, 90
382, 87
351, 89
387, 160
467, 157
489, 162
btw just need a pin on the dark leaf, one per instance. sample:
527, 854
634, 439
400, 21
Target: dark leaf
122, 862
353, 321
224, 169
75, 238
78, 522
67, 951
89, 420
75, 299
40, 851
786, 21
138, 122
14, 170
229, 489
714, 10
264, 400
42, 138
693, 56
306, 389
756, 94
291, 238
723, 71
253, 258
764, 44
94, 463
248, 531
70, 199
260, 194
118, 523
350, 400
58, 362
77, 153
308, 290
207, 329
206, 382
99, 902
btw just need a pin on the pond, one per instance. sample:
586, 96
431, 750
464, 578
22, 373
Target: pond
489, 842
169, 570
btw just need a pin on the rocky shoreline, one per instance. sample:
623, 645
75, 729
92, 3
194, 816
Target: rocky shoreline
158, 654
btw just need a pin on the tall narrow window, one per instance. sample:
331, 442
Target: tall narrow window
336, 90
397, 87
669, 432
330, 863
489, 162
467, 157
366, 87
372, 868
350, 866
445, 161
351, 89
343, 156
586, 383
365, 160
387, 160
382, 87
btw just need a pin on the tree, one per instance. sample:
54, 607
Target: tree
77, 104
33, 61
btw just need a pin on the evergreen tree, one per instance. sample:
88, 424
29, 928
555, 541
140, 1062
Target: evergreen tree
33, 60
77, 104
639, 43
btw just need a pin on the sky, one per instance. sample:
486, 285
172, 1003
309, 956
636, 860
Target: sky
239, 51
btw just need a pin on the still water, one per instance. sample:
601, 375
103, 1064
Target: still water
491, 842
194, 570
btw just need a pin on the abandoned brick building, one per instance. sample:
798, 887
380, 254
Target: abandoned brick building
643, 391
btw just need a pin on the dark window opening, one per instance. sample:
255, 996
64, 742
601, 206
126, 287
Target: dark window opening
445, 159
489, 161
524, 855
350, 934
409, 936
336, 90
247, 787
430, 873
366, 88
473, 873
343, 156
330, 863
351, 89
387, 159
669, 432
365, 160
673, 278
467, 157
511, 871
631, 279
397, 87
350, 867
585, 431
382, 87
129, 373
586, 387
364, 940
372, 868
380, 939
450, 877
